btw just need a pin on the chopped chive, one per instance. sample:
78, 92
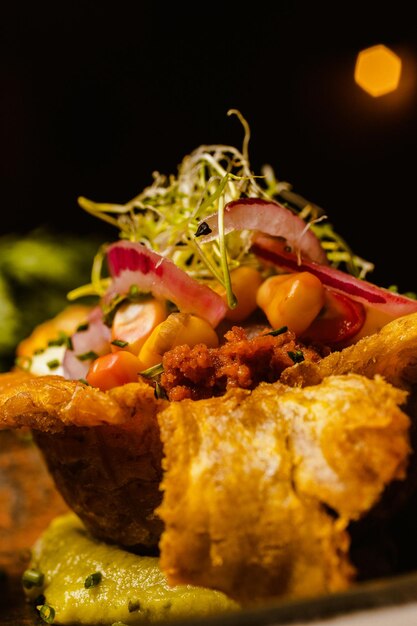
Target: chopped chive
133, 605
87, 356
278, 331
82, 327
47, 613
203, 229
55, 342
119, 343
39, 351
32, 578
93, 580
296, 356
84, 381
69, 343
53, 364
110, 310
155, 370
59, 341
160, 393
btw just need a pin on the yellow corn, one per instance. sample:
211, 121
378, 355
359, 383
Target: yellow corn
294, 301
177, 330
134, 322
268, 289
245, 284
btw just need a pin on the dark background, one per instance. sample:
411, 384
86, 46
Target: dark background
94, 99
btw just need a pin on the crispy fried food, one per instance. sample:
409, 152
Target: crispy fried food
103, 450
259, 487
391, 352
50, 403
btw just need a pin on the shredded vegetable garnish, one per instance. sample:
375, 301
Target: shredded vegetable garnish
153, 371
47, 613
165, 216
32, 578
93, 580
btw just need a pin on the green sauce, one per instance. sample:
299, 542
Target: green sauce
127, 588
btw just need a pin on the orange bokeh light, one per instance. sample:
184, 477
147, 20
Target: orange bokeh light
378, 70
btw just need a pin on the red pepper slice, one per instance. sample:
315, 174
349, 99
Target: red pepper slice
340, 320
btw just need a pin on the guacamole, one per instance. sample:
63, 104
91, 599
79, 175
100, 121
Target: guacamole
86, 581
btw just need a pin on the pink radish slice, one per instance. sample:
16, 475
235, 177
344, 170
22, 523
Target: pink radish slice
134, 264
266, 217
95, 340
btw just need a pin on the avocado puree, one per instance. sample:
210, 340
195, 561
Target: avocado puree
131, 589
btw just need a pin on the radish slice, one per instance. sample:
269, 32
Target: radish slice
134, 264
273, 251
94, 340
267, 217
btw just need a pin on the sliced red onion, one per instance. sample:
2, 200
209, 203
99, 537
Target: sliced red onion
134, 264
267, 217
94, 340
273, 251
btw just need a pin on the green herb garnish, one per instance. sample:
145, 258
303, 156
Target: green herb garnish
32, 578
82, 327
119, 343
155, 370
278, 331
160, 393
93, 580
47, 613
87, 356
170, 215
296, 356
53, 364
84, 382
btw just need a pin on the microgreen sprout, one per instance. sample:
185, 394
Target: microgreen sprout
165, 217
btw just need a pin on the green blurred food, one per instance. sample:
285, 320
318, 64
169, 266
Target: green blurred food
86, 581
36, 272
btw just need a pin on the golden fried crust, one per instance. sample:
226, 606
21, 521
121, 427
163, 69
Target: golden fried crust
102, 449
391, 352
50, 403
249, 479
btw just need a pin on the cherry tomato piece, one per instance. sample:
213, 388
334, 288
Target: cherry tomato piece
340, 319
113, 370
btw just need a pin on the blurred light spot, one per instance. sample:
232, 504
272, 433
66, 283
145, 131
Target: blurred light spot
378, 70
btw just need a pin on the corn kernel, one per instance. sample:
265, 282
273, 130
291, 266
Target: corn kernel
178, 329
245, 283
294, 302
